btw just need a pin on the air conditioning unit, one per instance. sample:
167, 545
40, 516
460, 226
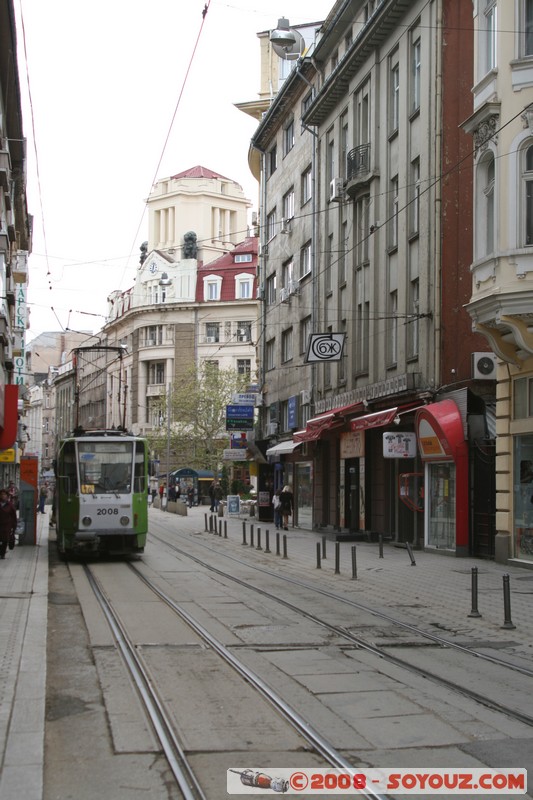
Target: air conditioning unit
294, 287
260, 294
211, 339
484, 366
284, 295
305, 397
272, 428
285, 226
336, 190
243, 337
263, 251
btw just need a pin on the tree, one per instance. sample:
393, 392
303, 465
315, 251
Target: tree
197, 434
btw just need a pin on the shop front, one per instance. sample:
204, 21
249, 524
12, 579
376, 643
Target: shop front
444, 451
523, 498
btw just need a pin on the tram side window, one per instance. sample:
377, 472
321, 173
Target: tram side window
140, 471
68, 475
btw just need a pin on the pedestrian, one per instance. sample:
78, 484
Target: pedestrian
212, 496
161, 491
218, 494
276, 502
43, 494
13, 495
286, 499
190, 496
8, 522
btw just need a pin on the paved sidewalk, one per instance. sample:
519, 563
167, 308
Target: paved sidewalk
23, 631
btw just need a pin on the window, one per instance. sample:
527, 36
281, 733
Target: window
527, 157
394, 112
306, 102
269, 354
414, 204
491, 32
288, 137
305, 332
212, 332
362, 229
485, 188
271, 225
362, 111
342, 255
240, 258
271, 289
413, 325
393, 327
330, 164
329, 263
288, 204
153, 335
344, 358
156, 372
415, 74
244, 366
307, 187
362, 321
212, 286
244, 331
286, 345
243, 286
272, 161
393, 213
344, 146
305, 259
522, 398
287, 273
528, 28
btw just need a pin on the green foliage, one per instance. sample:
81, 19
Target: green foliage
198, 401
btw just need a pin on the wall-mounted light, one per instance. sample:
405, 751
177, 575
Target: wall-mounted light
165, 280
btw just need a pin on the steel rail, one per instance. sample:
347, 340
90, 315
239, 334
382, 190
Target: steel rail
176, 758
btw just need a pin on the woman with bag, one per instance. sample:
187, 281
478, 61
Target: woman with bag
8, 523
276, 502
286, 500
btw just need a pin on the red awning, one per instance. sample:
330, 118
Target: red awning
328, 421
440, 431
8, 434
375, 420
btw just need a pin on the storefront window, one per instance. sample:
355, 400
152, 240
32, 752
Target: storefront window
304, 494
523, 498
441, 506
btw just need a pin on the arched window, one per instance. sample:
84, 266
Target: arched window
486, 180
527, 180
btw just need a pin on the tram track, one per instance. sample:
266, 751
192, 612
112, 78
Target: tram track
383, 653
161, 720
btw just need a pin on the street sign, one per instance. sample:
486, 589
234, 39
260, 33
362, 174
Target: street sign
239, 418
244, 399
234, 455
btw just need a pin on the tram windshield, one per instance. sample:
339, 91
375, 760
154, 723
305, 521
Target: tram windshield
105, 467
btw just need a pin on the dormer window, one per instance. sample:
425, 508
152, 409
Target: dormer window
243, 286
212, 287
241, 258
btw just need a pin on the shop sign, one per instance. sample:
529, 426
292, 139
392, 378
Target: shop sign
7, 456
399, 445
233, 504
352, 444
233, 455
429, 442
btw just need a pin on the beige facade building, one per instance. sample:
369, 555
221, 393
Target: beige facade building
502, 266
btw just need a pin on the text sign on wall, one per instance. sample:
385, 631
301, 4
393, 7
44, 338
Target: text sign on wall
399, 445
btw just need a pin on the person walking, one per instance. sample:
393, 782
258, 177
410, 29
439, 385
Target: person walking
217, 495
286, 499
8, 521
43, 494
190, 496
276, 502
212, 496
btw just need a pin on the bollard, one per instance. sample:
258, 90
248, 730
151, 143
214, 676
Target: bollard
220, 527
267, 541
284, 546
354, 563
411, 556
277, 544
244, 533
211, 524
225, 529
380, 541
337, 558
251, 535
508, 623
318, 555
323, 547
259, 539
474, 612
206, 526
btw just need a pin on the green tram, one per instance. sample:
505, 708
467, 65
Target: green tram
101, 501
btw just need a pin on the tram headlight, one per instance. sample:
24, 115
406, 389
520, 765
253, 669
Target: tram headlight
124, 521
86, 521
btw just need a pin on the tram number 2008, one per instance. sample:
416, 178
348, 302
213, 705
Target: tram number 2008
102, 511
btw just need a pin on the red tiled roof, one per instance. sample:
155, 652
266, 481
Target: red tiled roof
200, 172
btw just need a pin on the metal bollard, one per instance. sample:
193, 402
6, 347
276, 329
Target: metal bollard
380, 541
244, 533
277, 544
411, 556
206, 525
259, 539
211, 524
323, 547
225, 529
220, 527
508, 623
474, 612
318, 555
251, 535
267, 541
337, 558
284, 546
354, 563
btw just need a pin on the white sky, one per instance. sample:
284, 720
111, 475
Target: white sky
105, 80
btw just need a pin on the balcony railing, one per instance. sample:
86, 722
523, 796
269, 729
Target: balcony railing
358, 161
